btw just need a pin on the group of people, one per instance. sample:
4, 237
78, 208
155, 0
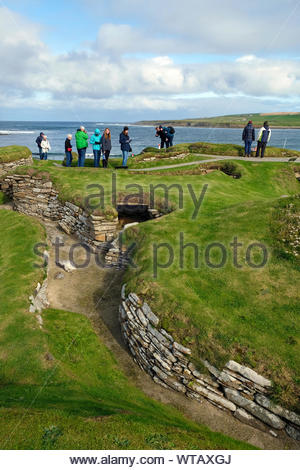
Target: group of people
101, 146
264, 136
166, 135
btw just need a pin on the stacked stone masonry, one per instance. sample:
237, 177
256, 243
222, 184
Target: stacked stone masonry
35, 196
236, 389
6, 167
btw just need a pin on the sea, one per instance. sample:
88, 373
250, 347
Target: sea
25, 133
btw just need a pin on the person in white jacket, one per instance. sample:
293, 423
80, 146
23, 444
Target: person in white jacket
263, 138
45, 145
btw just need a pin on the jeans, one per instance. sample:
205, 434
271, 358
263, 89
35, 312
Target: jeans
163, 142
171, 137
40, 152
81, 156
44, 156
105, 158
248, 144
69, 158
261, 146
97, 155
125, 157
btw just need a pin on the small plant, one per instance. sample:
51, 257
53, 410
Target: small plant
230, 168
50, 436
159, 441
121, 442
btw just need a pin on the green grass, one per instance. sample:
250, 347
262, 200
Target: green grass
234, 120
12, 153
61, 388
245, 314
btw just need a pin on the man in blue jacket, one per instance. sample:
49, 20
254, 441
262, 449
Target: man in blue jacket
248, 137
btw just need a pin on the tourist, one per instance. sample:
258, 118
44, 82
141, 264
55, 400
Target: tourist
248, 137
125, 145
170, 135
81, 138
263, 138
105, 147
95, 140
38, 142
162, 133
45, 145
68, 150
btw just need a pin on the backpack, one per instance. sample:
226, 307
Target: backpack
171, 130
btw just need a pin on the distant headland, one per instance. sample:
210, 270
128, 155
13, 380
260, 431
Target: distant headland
281, 120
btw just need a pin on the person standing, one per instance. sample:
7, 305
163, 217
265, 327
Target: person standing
45, 145
81, 138
162, 133
68, 150
125, 145
96, 142
263, 138
38, 142
170, 135
105, 147
248, 137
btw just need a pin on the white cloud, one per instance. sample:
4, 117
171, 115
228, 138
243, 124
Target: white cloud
103, 76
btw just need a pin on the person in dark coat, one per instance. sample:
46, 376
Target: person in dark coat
263, 138
162, 132
105, 147
248, 137
125, 145
68, 150
39, 142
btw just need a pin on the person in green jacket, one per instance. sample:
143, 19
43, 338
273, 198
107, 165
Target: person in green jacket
81, 138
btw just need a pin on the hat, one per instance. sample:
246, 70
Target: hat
250, 122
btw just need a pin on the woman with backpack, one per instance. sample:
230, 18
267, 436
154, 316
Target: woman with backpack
105, 147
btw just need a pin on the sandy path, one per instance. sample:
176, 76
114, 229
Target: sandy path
95, 292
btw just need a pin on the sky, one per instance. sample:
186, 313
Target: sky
129, 60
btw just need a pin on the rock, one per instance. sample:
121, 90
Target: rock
246, 418
167, 335
249, 374
149, 314
32, 308
66, 265
273, 433
182, 349
213, 370
48, 356
293, 432
277, 409
256, 410
123, 292
59, 276
213, 396
144, 321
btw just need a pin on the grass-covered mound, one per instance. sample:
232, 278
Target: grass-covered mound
12, 153
250, 315
61, 388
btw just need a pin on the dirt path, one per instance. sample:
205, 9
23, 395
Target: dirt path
213, 158
95, 292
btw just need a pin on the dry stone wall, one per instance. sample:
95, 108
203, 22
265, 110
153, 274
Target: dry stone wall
35, 196
236, 389
6, 167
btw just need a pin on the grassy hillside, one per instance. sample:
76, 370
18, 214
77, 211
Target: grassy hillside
241, 313
235, 120
60, 387
13, 152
